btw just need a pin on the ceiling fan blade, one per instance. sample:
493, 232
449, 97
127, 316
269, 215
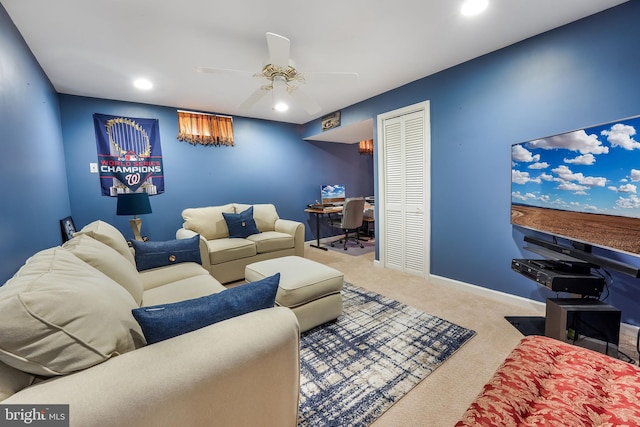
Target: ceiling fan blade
309, 105
279, 47
254, 97
214, 70
330, 77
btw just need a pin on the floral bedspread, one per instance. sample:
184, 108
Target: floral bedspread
545, 382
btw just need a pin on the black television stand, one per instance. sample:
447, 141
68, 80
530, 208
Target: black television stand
586, 322
561, 276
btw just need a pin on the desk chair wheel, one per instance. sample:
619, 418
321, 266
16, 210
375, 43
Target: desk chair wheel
345, 244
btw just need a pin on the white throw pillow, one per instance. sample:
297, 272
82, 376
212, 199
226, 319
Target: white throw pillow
208, 221
108, 261
110, 236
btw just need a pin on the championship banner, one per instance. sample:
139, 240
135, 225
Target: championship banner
129, 155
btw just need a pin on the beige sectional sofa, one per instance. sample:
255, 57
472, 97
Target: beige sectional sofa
68, 336
225, 257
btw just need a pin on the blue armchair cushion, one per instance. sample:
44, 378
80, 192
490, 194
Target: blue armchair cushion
166, 321
242, 224
158, 254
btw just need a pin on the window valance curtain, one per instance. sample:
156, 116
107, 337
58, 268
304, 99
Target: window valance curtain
206, 129
366, 146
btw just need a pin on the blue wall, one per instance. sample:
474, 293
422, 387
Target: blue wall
269, 164
576, 76
32, 165
582, 74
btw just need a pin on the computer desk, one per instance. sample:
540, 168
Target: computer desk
329, 210
319, 213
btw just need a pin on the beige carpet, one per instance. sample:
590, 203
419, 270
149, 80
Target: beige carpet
443, 396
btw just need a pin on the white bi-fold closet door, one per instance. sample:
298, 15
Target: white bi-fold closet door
404, 189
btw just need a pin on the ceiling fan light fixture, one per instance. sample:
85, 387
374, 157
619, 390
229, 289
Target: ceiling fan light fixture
282, 80
279, 90
281, 107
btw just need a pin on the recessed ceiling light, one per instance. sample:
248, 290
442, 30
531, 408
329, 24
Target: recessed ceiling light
474, 7
143, 84
281, 107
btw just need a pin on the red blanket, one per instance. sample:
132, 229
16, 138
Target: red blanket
545, 382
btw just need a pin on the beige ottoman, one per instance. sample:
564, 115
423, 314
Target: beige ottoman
310, 289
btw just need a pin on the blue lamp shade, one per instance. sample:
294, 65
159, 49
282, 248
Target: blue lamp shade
133, 204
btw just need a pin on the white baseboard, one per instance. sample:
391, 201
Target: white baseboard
490, 293
625, 328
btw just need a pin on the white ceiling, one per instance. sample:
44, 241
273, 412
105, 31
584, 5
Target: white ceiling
346, 134
97, 48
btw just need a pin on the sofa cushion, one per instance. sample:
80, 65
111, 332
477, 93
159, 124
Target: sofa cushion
271, 241
108, 261
223, 250
241, 224
166, 321
12, 380
61, 315
110, 236
169, 252
264, 214
207, 221
182, 289
161, 276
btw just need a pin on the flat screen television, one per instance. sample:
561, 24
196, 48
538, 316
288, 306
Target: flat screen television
332, 194
582, 185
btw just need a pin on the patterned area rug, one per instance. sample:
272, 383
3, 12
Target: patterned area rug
354, 369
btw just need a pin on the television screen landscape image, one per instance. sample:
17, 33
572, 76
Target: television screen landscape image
581, 185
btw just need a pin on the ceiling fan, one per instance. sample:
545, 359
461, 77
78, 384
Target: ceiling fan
282, 78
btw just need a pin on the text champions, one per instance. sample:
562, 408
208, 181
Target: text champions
112, 166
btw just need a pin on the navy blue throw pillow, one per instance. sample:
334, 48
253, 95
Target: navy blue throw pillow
166, 321
158, 254
242, 224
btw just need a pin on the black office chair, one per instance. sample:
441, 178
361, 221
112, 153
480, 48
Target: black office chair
350, 221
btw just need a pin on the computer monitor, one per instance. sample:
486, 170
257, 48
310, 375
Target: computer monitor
332, 194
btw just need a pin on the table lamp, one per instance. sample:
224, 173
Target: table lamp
134, 204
